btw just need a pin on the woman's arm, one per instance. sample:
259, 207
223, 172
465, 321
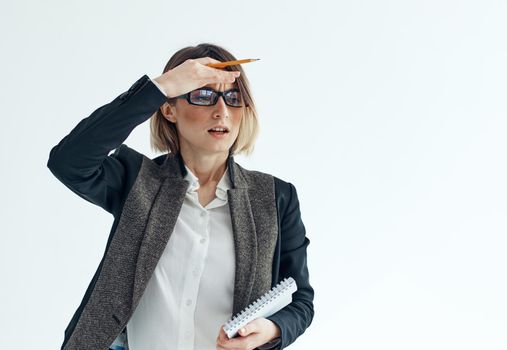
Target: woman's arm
297, 316
81, 161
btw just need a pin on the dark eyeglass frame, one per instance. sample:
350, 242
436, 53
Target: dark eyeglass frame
217, 96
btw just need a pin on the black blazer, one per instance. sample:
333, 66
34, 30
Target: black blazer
270, 238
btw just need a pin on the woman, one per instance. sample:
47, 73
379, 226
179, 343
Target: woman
196, 238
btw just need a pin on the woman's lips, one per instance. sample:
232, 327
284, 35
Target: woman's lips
218, 134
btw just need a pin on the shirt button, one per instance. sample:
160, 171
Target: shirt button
189, 301
203, 213
203, 240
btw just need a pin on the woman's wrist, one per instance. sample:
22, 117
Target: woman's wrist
162, 83
276, 330
160, 87
167, 83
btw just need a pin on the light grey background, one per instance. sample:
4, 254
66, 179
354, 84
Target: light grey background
389, 117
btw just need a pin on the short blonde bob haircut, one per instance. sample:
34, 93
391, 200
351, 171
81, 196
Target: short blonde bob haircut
164, 136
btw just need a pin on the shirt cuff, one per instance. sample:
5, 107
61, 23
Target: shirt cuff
159, 86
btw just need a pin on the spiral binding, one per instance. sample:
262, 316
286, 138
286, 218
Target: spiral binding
259, 307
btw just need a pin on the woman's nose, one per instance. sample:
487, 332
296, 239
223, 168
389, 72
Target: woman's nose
221, 109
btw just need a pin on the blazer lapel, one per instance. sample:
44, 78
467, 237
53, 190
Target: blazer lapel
245, 244
166, 207
245, 237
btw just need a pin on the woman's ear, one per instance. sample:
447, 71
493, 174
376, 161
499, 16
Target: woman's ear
167, 111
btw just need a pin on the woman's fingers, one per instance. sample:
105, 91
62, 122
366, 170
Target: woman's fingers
216, 75
221, 339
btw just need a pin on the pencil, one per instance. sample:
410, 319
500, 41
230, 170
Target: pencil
231, 63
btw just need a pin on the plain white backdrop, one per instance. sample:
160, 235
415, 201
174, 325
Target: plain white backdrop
389, 117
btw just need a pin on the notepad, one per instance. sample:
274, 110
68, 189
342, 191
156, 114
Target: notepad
272, 301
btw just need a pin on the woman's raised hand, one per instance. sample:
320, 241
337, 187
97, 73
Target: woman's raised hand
193, 74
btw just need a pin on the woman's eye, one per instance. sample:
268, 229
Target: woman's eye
234, 96
201, 96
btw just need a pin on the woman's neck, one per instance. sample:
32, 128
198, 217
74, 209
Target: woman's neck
208, 168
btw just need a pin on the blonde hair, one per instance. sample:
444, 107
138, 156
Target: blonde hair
163, 133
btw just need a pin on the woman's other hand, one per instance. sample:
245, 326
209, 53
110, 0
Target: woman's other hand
193, 74
254, 334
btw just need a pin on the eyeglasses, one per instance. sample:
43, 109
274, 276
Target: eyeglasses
206, 96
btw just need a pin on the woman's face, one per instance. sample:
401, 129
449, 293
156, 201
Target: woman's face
195, 123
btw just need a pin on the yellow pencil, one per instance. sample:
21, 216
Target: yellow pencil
231, 63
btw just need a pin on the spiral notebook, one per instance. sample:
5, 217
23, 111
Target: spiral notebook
274, 300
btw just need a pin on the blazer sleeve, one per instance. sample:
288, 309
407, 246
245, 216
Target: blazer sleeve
81, 160
298, 315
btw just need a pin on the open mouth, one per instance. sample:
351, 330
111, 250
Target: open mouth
218, 131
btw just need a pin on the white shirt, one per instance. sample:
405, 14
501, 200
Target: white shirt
190, 294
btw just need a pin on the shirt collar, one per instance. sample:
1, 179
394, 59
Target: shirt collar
235, 180
223, 185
